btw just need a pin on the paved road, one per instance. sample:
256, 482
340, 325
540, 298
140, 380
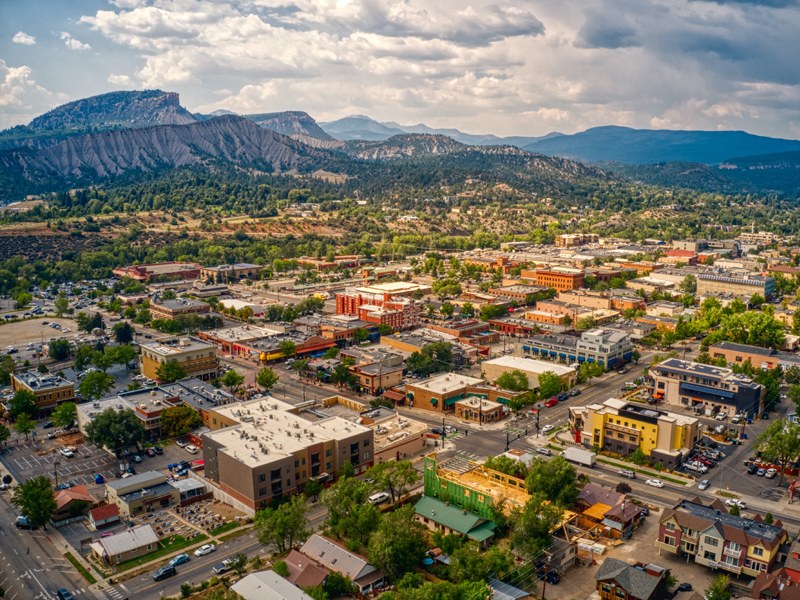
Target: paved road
31, 566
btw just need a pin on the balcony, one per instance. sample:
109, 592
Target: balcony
668, 547
728, 567
731, 552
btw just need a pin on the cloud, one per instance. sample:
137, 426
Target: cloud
21, 98
72, 43
119, 80
23, 38
603, 30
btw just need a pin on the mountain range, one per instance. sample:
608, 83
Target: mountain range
112, 134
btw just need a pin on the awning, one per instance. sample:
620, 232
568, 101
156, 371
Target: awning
571, 357
553, 352
503, 400
451, 401
562, 355
705, 390
410, 395
434, 401
581, 359
627, 355
612, 361
590, 359
526, 347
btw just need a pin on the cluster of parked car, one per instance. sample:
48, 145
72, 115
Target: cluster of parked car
561, 397
756, 469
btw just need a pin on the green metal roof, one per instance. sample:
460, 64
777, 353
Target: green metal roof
454, 518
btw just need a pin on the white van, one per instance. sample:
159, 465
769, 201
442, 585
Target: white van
192, 449
378, 498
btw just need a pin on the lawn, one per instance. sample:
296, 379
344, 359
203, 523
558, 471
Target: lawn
179, 544
81, 569
223, 528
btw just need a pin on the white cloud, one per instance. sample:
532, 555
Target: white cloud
23, 38
21, 98
119, 80
72, 43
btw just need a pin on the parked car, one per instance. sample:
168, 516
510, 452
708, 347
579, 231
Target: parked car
543, 450
221, 568
67, 452
63, 594
378, 498
735, 420
705, 461
627, 473
644, 511
136, 458
181, 444
731, 502
550, 403
752, 469
551, 577
574, 392
721, 416
437, 431
179, 560
150, 452
49, 424
206, 549
191, 449
685, 587
704, 484
98, 479
164, 572
655, 483
761, 472
563, 397
771, 473
547, 429
158, 450
22, 522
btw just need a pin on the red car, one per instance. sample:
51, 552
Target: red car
705, 461
551, 402
151, 452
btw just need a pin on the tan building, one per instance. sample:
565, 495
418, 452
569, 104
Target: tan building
621, 427
559, 278
225, 273
541, 316
396, 438
532, 368
169, 309
439, 394
263, 449
376, 376
569, 240
736, 284
198, 358
585, 298
126, 545
479, 410
50, 390
143, 493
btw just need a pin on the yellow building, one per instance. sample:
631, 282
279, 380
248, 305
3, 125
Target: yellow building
50, 390
621, 427
198, 358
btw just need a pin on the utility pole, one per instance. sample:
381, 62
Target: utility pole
55, 471
546, 571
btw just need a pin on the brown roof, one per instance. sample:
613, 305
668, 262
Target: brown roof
718, 504
596, 494
686, 520
77, 492
777, 585
303, 571
104, 512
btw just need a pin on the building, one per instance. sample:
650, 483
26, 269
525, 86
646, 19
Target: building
559, 307
559, 278
234, 272
50, 390
676, 257
396, 437
492, 369
468, 331
263, 449
761, 358
605, 509
601, 300
304, 572
518, 292
169, 309
415, 341
440, 393
605, 346
570, 240
712, 537
268, 585
143, 493
642, 267
621, 427
710, 246
126, 545
376, 377
664, 308
331, 555
72, 503
762, 238
686, 383
661, 323
479, 410
617, 580
792, 564
168, 269
235, 340
383, 304
104, 515
736, 284
439, 515
633, 328
775, 585
649, 285
197, 358
548, 318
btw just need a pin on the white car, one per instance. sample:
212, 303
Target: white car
547, 429
67, 452
731, 502
721, 416
378, 498
655, 483
704, 484
771, 473
203, 550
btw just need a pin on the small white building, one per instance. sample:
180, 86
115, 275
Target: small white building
268, 585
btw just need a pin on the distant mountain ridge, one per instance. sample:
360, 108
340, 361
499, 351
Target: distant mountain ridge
401, 146
644, 146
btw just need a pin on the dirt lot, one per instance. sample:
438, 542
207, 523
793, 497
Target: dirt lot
21, 333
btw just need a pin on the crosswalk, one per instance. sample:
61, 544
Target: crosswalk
116, 594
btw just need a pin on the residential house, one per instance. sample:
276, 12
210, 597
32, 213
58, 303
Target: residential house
303, 571
267, 585
617, 580
331, 555
126, 545
611, 510
776, 585
72, 503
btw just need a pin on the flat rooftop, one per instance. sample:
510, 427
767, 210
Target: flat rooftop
148, 399
394, 287
529, 364
42, 381
708, 371
180, 303
448, 382
750, 527
178, 346
243, 333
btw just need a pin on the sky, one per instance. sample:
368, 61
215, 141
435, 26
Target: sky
507, 67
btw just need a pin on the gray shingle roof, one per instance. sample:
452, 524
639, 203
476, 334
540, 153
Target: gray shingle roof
637, 583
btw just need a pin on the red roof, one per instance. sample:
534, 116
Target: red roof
681, 253
101, 513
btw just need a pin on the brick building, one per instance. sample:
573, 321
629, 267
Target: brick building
50, 390
559, 278
198, 358
167, 269
382, 304
169, 309
439, 394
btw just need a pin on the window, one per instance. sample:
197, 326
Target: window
328, 452
262, 492
669, 540
480, 497
328, 466
304, 460
758, 551
149, 547
366, 454
711, 541
466, 493
366, 443
733, 546
287, 470
304, 474
444, 484
731, 561
606, 588
297, 476
670, 526
619, 592
262, 477
710, 555
632, 438
296, 463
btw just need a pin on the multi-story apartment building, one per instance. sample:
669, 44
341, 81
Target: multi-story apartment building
50, 390
569, 240
263, 449
169, 309
382, 304
712, 537
761, 238
699, 246
516, 292
622, 427
686, 383
198, 358
604, 346
559, 278
736, 284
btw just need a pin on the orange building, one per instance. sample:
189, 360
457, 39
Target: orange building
561, 279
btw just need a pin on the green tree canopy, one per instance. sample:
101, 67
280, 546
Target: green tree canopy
112, 429
179, 420
515, 381
532, 525
58, 350
23, 402
350, 515
396, 477
96, 385
288, 348
267, 378
284, 526
399, 544
554, 479
25, 425
65, 414
780, 442
170, 372
35, 499
232, 380
123, 332
549, 384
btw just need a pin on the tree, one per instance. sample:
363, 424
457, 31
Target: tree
446, 309
112, 429
267, 378
734, 510
313, 488
170, 372
168, 295
23, 402
23, 299
8, 366
179, 420
121, 355
24, 425
399, 544
586, 323
332, 352
506, 465
83, 357
96, 385
515, 381
792, 374
638, 457
718, 589
350, 515
467, 309
554, 479
471, 563
239, 563
65, 414
5, 434
768, 518
284, 526
301, 366
337, 585
532, 525
232, 380
123, 333
360, 335
385, 329
636, 356
61, 305
287, 348
756, 300
35, 500
89, 322
397, 477
317, 592
623, 488
689, 284
58, 350
342, 376
549, 384
780, 442
280, 568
